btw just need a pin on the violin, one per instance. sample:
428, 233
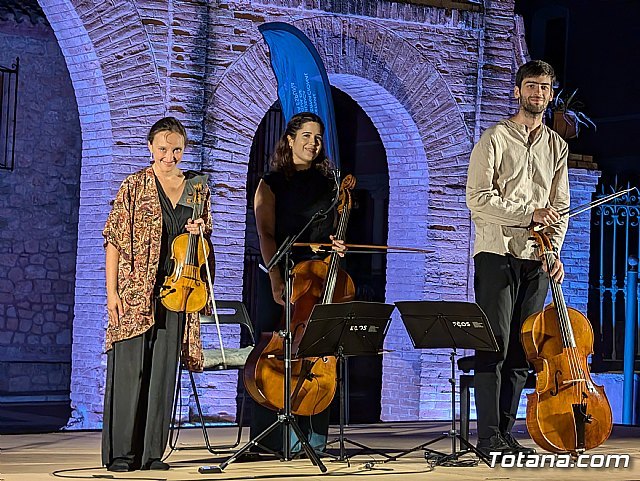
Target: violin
567, 413
184, 290
313, 379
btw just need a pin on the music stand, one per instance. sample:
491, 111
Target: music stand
285, 417
346, 329
454, 325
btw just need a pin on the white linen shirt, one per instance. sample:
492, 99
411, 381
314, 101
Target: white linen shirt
508, 179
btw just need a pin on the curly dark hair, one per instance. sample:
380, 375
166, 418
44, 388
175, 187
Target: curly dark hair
167, 124
535, 68
282, 157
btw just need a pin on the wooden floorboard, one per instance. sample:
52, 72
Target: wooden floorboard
76, 455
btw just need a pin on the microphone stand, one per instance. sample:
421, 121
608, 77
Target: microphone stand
286, 417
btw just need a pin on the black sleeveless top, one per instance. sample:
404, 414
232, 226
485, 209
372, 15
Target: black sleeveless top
297, 199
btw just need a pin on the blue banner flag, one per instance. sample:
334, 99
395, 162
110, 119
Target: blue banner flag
303, 85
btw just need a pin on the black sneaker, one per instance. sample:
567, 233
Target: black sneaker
516, 446
495, 444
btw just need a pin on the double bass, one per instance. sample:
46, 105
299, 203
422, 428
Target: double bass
313, 379
567, 413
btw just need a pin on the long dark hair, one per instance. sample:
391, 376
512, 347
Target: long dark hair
282, 157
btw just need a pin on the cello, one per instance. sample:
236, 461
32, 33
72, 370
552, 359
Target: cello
567, 412
184, 290
313, 379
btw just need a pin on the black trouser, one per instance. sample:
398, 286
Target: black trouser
508, 290
141, 378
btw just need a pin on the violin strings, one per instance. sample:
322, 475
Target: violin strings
574, 360
192, 244
565, 330
333, 266
330, 287
565, 324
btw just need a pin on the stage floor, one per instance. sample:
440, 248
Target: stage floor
36, 457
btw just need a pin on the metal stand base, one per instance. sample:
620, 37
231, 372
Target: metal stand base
341, 439
284, 420
444, 458
453, 433
364, 449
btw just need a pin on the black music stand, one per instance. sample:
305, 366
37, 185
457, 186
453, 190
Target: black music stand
453, 325
285, 417
346, 329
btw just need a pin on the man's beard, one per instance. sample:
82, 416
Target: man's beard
532, 109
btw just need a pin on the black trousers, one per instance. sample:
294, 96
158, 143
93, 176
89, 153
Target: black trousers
139, 392
508, 290
315, 427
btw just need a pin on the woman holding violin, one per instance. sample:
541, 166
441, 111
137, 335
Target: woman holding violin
517, 178
144, 339
298, 185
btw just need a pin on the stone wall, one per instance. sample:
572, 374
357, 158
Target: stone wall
38, 219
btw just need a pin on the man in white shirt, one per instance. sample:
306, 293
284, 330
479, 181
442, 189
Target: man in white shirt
517, 178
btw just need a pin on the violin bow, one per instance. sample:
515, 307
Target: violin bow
199, 205
571, 212
315, 246
213, 298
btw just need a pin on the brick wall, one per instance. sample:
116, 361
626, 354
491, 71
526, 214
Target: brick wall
429, 78
38, 219
425, 137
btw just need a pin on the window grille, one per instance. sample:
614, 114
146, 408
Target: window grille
8, 112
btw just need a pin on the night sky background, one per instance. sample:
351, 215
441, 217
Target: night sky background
593, 45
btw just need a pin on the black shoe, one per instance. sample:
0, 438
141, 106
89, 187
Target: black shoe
495, 444
516, 446
156, 465
120, 465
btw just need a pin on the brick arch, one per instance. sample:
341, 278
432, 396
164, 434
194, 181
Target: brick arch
426, 198
113, 56
382, 72
405, 158
97, 60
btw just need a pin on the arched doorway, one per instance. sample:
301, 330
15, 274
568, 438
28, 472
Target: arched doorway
39, 223
427, 145
363, 155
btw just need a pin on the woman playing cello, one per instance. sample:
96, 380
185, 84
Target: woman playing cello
299, 184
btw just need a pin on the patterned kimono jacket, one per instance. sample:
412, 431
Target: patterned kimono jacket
134, 227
